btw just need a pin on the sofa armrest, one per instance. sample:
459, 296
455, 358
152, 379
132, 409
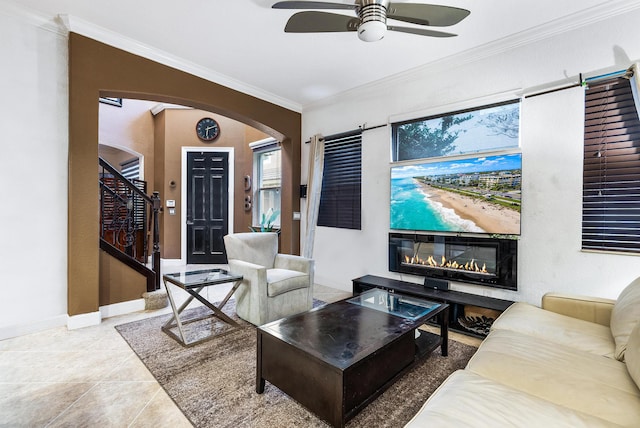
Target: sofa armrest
592, 309
292, 262
240, 266
253, 274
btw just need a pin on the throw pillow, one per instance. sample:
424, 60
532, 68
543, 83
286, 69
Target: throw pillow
625, 316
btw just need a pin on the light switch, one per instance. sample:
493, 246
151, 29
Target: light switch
296, 215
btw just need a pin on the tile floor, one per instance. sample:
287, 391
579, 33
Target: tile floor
90, 376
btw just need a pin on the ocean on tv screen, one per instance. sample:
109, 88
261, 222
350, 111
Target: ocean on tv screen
479, 195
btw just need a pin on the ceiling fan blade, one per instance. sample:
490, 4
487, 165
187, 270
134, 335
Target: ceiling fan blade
320, 22
311, 5
426, 14
420, 31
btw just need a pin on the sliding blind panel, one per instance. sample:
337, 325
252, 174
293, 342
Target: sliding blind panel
340, 199
611, 186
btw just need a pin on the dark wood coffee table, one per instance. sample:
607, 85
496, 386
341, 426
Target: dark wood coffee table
337, 358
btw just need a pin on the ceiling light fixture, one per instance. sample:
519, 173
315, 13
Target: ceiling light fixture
371, 21
373, 18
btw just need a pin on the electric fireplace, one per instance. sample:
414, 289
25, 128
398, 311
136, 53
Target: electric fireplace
477, 260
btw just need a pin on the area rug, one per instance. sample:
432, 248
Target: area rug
213, 383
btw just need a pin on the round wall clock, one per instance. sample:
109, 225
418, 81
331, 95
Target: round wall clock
207, 129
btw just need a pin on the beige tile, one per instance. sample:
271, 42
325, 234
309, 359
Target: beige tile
108, 339
35, 404
161, 412
59, 339
112, 322
40, 340
58, 366
132, 369
108, 404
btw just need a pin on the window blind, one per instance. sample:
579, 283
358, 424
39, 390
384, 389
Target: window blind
340, 198
611, 184
131, 168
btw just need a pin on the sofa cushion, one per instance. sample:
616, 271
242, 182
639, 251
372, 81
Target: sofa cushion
466, 399
282, 280
533, 321
632, 355
624, 316
582, 381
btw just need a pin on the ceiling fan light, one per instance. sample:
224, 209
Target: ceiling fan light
372, 31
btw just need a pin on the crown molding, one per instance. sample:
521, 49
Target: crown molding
530, 36
101, 34
33, 18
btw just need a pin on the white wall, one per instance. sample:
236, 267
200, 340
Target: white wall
34, 146
551, 140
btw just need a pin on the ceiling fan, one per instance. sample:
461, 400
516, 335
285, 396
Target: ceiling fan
371, 20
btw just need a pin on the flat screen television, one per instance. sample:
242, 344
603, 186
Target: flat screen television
477, 195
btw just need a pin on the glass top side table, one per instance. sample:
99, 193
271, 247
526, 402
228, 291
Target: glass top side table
193, 283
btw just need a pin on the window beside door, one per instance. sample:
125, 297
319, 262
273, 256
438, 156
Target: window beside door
268, 179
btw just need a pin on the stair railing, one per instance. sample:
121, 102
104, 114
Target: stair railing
129, 221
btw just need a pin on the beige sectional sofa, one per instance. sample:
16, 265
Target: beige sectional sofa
574, 362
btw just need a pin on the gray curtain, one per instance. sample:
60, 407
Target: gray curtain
314, 187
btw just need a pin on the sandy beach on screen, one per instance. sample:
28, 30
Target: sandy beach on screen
487, 216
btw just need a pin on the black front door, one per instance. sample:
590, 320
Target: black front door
207, 206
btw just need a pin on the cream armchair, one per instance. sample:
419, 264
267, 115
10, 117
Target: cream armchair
274, 285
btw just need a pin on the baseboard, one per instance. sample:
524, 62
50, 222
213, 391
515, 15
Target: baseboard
34, 327
72, 322
122, 308
84, 320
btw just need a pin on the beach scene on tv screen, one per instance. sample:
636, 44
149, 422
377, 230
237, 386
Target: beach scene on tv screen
480, 195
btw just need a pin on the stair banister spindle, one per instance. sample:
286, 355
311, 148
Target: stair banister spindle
156, 237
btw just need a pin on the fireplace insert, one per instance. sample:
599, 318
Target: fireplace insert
477, 260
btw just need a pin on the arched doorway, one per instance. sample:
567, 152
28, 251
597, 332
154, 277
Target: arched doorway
95, 70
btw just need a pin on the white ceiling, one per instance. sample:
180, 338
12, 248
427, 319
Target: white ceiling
241, 43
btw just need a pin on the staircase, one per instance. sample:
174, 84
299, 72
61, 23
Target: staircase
129, 225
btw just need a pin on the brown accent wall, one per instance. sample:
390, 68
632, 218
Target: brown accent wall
124, 284
179, 131
95, 70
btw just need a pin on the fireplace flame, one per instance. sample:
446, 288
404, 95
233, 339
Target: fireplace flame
471, 266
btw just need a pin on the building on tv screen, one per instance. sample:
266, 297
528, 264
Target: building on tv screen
478, 195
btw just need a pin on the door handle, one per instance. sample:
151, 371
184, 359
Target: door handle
189, 223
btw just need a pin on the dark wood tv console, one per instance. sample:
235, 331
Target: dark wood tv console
457, 300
